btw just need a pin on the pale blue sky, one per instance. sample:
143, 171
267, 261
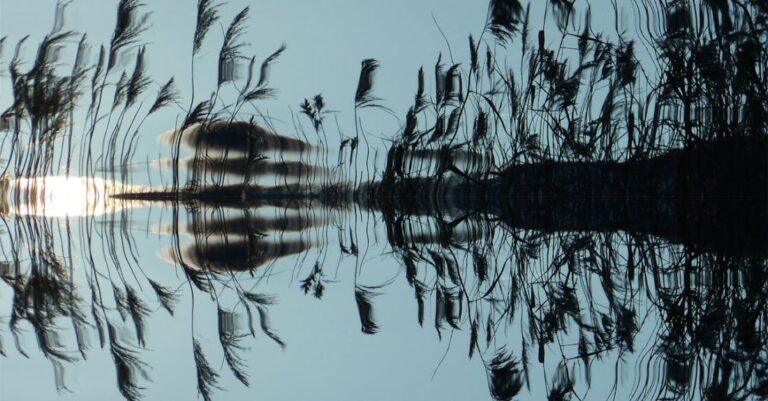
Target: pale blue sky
326, 41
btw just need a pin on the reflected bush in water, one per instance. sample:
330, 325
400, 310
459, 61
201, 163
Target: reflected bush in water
586, 297
528, 298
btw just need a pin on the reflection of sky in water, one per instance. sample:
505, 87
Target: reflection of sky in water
326, 353
326, 356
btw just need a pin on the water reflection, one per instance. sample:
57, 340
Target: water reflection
246, 239
532, 305
61, 196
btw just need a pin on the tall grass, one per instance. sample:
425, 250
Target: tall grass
591, 97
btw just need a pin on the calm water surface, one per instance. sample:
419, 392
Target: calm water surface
304, 300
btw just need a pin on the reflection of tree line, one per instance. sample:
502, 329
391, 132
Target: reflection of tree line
527, 298
117, 294
581, 298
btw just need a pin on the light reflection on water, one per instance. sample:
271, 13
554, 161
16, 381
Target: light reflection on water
61, 196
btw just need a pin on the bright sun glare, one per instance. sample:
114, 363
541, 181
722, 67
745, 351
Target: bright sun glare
61, 196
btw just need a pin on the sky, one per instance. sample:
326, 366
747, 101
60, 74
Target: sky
326, 43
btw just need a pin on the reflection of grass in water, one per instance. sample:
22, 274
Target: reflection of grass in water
578, 299
582, 298
113, 304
